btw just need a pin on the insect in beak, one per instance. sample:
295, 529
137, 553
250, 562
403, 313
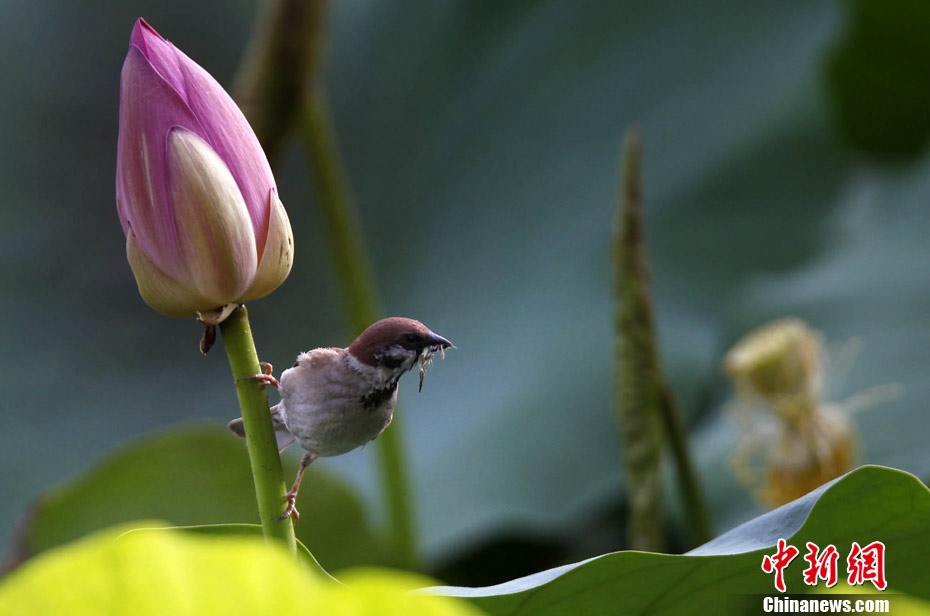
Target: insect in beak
426, 357
436, 343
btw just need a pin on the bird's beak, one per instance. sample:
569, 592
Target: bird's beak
435, 340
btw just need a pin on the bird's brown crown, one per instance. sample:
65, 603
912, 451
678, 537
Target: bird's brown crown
408, 333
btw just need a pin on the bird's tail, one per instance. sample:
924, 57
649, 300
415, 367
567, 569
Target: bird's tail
281, 434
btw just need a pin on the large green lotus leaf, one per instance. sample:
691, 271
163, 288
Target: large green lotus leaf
866, 285
754, 209
879, 76
724, 576
240, 530
142, 573
502, 150
482, 142
196, 476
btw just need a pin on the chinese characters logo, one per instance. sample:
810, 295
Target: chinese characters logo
863, 564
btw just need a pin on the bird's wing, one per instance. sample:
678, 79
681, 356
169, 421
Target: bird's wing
307, 378
316, 359
282, 435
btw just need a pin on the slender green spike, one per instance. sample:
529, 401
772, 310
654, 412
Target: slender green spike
646, 410
638, 399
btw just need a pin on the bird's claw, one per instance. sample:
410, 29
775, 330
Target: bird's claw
266, 377
291, 510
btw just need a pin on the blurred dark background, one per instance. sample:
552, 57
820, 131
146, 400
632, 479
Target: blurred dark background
785, 173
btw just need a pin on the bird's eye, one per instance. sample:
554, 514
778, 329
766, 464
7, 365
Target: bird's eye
411, 337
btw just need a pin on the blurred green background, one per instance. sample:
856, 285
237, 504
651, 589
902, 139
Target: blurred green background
482, 142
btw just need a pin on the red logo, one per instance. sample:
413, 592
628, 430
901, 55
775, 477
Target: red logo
867, 565
863, 564
776, 564
821, 565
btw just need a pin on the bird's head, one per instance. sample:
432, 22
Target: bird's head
396, 344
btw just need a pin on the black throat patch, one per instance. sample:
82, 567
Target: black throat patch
377, 397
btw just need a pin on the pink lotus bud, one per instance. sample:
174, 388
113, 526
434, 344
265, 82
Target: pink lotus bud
195, 194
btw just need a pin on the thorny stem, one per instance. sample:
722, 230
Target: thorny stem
358, 288
259, 433
645, 406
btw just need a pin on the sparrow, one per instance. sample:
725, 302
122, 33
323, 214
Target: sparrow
334, 400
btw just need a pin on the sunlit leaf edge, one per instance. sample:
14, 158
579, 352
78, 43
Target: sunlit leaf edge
645, 569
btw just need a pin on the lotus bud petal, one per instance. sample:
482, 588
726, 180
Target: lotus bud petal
159, 291
195, 194
279, 252
214, 231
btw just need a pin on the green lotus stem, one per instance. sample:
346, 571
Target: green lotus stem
278, 88
646, 409
279, 67
344, 234
259, 434
342, 226
689, 484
